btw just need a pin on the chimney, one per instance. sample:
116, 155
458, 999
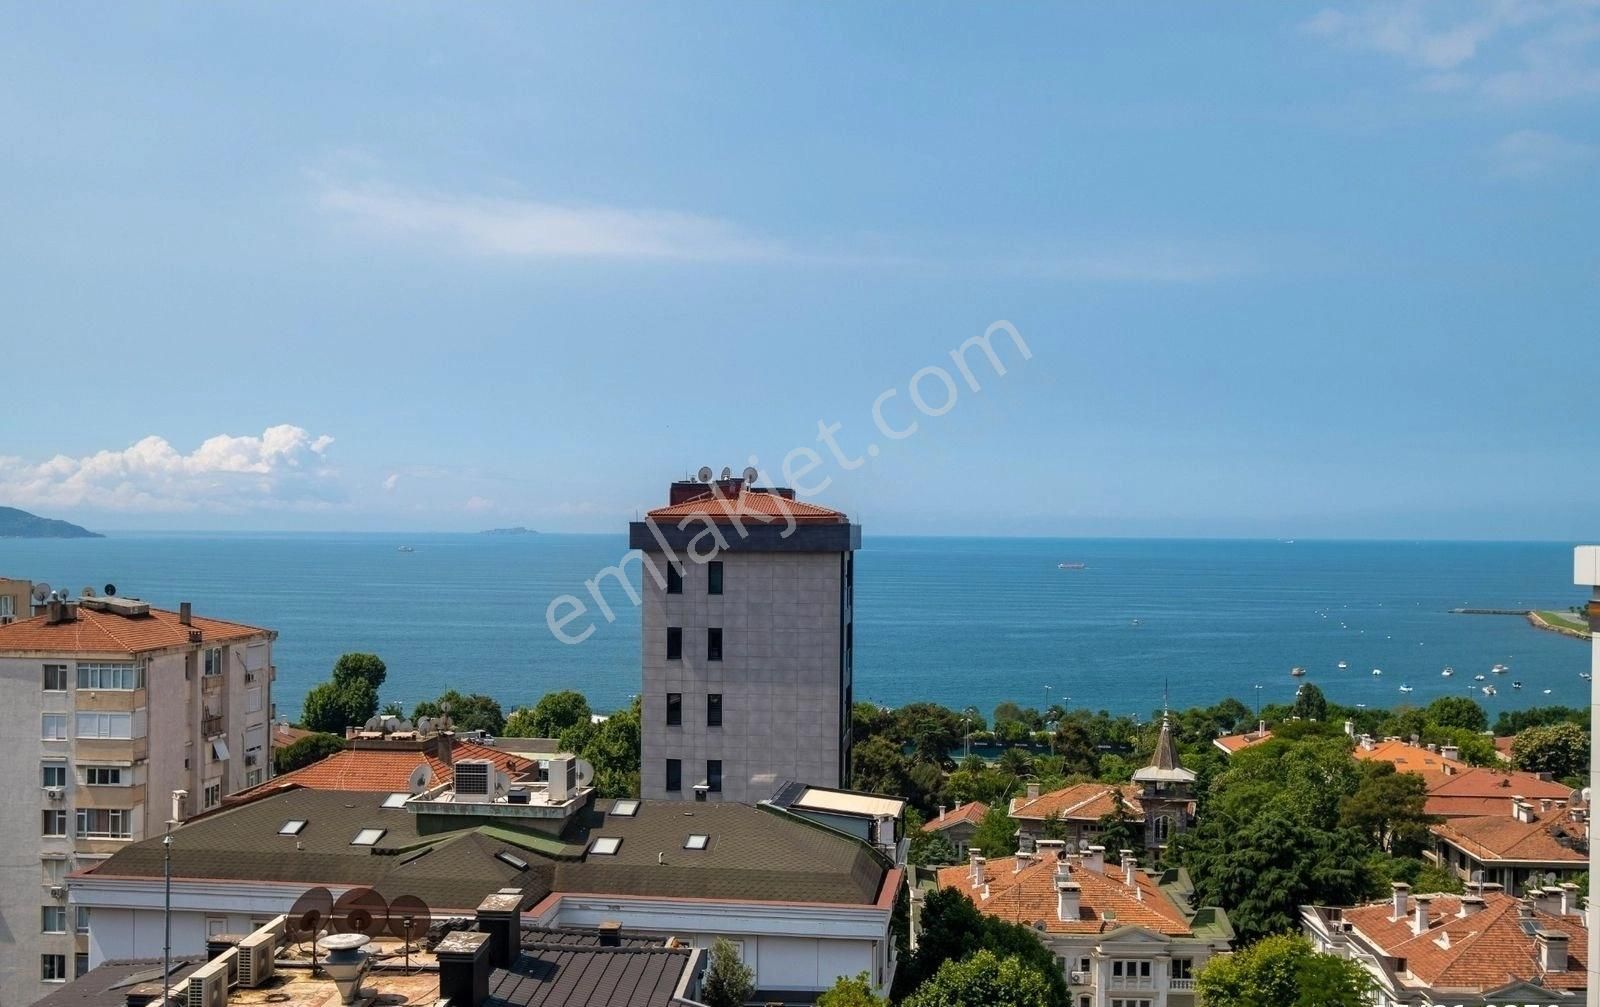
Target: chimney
185, 614
464, 968
1367, 743
1401, 891
177, 804
1349, 729
1544, 805
1552, 950
941, 812
1471, 904
1033, 791
499, 916
1521, 810
610, 933
1569, 899
973, 856
1129, 863
1261, 727
1067, 897
1414, 739
979, 878
1419, 923
1021, 861
1095, 859
1451, 752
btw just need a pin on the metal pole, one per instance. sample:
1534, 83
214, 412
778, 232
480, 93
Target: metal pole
1586, 572
166, 917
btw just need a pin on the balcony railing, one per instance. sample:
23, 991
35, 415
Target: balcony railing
1182, 985
211, 726
1131, 983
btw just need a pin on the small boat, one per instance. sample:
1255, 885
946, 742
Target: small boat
1516, 685
1547, 692
1071, 566
1377, 671
1488, 690
1447, 672
406, 548
1136, 622
1297, 672
1405, 688
1343, 665
1499, 669
1478, 678
1584, 675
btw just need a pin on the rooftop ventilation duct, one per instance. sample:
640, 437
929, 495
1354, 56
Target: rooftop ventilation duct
345, 963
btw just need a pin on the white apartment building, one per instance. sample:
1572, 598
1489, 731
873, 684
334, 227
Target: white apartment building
747, 642
107, 706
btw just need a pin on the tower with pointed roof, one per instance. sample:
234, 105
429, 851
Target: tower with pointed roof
1166, 791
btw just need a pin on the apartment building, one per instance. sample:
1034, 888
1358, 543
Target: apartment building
747, 642
1124, 937
1525, 845
107, 706
16, 600
1480, 949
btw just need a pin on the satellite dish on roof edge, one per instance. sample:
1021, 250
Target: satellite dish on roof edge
310, 913
87, 592
705, 473
751, 475
585, 772
41, 591
111, 589
420, 778
727, 473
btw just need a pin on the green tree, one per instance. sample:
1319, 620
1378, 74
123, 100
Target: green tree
953, 929
851, 991
554, 713
331, 707
1516, 721
1310, 703
474, 712
984, 980
1561, 750
1388, 808
1116, 832
996, 834
368, 668
728, 981
1282, 971
1456, 711
1075, 748
613, 749
305, 751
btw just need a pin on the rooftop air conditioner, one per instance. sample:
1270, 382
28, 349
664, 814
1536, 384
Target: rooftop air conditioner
474, 781
208, 985
256, 957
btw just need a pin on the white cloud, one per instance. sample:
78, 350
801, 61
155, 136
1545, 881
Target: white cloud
1515, 50
391, 482
523, 228
1532, 153
285, 467
477, 505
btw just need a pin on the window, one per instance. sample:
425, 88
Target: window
674, 709
714, 709
103, 776
605, 846
213, 662
252, 700
212, 795
55, 678
253, 778
52, 919
713, 645
368, 837
54, 822
81, 918
53, 774
80, 965
56, 868
215, 926
292, 827
1183, 968
674, 775
53, 968
105, 823
121, 677
511, 860
674, 643
396, 800
714, 577
8, 608
105, 725
625, 808
696, 842
53, 727
714, 775
219, 749
674, 579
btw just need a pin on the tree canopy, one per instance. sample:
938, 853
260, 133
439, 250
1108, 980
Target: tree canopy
305, 751
349, 698
473, 712
728, 982
851, 991
1282, 971
984, 979
554, 713
1561, 750
952, 929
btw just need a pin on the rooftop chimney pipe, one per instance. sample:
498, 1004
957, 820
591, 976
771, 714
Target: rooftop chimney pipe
185, 614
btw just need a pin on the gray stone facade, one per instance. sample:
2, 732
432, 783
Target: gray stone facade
783, 678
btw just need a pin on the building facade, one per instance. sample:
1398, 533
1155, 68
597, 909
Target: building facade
107, 706
16, 600
747, 643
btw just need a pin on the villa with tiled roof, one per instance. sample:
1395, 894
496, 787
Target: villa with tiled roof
386, 765
1232, 744
958, 824
1485, 947
1520, 846
1121, 933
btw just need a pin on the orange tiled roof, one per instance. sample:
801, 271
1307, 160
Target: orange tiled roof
1480, 791
1080, 802
386, 771
109, 633
1409, 758
1232, 743
971, 812
755, 506
1485, 951
1502, 837
283, 735
1028, 896
1502, 747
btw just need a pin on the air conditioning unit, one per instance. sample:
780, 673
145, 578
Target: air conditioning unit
257, 954
55, 793
474, 781
250, 758
208, 985
58, 891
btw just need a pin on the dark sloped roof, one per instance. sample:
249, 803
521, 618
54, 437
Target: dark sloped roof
107, 984
569, 974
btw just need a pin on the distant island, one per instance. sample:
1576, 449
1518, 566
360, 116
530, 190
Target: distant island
518, 530
20, 524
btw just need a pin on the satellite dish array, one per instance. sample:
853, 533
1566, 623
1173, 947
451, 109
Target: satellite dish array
750, 474
358, 911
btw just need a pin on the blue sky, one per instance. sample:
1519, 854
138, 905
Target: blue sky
1283, 270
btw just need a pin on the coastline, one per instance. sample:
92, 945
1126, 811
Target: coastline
1538, 621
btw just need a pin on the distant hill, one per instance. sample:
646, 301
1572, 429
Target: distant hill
519, 530
20, 524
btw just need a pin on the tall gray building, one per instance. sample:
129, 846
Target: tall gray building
747, 642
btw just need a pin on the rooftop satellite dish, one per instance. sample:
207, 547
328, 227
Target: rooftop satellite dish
373, 724
111, 589
420, 778
705, 473
403, 725
41, 591
751, 475
310, 914
424, 725
361, 911
585, 772
727, 473
87, 592
502, 784
409, 918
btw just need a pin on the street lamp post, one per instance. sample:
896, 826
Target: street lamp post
166, 915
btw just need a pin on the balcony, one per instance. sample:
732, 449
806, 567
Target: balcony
211, 726
1134, 983
1181, 985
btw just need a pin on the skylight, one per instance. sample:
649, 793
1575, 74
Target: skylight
292, 827
696, 842
512, 860
605, 846
368, 837
396, 800
626, 808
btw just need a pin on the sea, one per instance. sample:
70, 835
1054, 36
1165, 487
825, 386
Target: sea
958, 621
